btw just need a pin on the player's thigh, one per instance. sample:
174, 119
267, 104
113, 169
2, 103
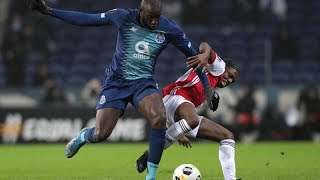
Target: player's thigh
188, 112
210, 130
106, 120
151, 107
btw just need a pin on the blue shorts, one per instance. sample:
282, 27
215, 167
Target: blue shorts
117, 94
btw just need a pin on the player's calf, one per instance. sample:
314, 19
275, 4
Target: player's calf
101, 134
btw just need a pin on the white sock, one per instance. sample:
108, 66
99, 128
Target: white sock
177, 130
226, 157
167, 142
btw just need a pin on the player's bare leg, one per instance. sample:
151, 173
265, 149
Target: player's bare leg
186, 119
209, 130
152, 108
106, 120
174, 132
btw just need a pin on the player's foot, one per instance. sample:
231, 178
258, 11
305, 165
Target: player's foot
141, 163
74, 145
238, 178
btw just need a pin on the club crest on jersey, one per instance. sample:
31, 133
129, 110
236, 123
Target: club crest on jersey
102, 99
160, 38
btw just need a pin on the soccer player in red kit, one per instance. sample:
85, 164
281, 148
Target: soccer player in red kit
181, 99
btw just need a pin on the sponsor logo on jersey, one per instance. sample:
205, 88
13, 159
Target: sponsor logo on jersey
142, 49
160, 38
102, 99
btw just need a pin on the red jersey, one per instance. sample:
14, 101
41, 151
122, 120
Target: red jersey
189, 85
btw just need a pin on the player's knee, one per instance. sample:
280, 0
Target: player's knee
193, 122
227, 135
101, 134
158, 121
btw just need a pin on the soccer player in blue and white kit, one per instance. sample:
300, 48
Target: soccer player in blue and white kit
142, 34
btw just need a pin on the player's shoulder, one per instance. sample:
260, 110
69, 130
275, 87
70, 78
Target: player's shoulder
122, 16
118, 11
168, 25
218, 67
132, 13
125, 12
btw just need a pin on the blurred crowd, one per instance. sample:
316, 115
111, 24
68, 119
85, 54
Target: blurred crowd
30, 34
251, 120
32, 37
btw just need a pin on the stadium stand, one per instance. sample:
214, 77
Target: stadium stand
75, 55
79, 54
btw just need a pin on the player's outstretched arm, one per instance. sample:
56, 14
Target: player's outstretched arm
71, 17
184, 45
205, 56
212, 97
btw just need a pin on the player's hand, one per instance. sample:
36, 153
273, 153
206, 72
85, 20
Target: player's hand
212, 98
40, 5
184, 141
198, 61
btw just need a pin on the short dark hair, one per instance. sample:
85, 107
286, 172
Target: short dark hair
230, 63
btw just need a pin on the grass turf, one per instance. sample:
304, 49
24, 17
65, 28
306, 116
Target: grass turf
260, 161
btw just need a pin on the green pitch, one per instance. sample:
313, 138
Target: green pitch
261, 161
